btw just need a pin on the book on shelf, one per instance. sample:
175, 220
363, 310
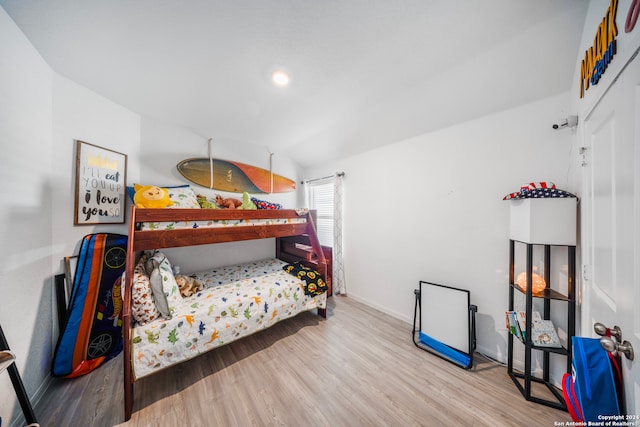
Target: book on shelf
543, 332
521, 318
511, 323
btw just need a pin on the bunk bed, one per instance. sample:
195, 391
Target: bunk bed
154, 229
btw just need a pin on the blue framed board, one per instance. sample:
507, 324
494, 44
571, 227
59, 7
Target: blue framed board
444, 323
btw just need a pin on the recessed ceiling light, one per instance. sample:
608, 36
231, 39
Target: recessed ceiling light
280, 78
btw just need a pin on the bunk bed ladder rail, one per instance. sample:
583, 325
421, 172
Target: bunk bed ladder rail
319, 253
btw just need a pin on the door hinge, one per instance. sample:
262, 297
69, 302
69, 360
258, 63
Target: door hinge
583, 156
586, 272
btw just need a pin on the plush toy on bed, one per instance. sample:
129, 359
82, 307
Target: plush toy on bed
247, 203
150, 196
188, 285
228, 203
232, 203
205, 203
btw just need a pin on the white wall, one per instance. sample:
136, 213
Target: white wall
164, 145
26, 313
430, 208
80, 114
42, 114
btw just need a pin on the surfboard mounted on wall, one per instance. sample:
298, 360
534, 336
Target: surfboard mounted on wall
234, 177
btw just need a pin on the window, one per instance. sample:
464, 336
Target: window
320, 195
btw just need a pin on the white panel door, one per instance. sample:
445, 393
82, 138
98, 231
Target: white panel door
611, 220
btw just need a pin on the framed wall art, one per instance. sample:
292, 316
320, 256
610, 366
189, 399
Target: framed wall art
101, 177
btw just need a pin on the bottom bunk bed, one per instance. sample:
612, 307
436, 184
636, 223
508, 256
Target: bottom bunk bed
208, 309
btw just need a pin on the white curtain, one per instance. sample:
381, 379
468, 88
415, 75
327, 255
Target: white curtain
339, 284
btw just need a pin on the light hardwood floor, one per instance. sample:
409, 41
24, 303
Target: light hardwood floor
358, 367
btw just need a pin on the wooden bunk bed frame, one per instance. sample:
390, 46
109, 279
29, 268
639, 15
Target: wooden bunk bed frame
290, 238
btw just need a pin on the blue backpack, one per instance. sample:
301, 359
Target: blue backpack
590, 390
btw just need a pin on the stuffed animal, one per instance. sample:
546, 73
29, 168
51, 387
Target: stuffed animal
247, 203
232, 203
150, 196
205, 203
229, 203
188, 285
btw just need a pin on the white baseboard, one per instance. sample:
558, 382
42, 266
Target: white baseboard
398, 316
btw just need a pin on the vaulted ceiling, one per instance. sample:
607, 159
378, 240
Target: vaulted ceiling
364, 73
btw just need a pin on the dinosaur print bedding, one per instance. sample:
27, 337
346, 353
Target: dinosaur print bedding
236, 301
173, 225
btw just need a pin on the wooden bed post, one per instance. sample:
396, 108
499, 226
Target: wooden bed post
126, 320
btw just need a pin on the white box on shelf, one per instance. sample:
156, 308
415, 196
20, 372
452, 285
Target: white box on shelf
550, 221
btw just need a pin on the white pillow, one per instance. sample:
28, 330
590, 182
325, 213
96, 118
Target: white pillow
158, 293
164, 286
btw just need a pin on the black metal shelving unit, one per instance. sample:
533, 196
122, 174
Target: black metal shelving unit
524, 380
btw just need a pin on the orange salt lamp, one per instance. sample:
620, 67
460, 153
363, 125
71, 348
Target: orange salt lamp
538, 282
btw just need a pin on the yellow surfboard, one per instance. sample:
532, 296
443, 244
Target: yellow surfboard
234, 177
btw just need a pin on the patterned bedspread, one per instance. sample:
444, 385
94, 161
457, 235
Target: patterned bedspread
173, 225
236, 301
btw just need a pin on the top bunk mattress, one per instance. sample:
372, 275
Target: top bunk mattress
218, 223
181, 219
